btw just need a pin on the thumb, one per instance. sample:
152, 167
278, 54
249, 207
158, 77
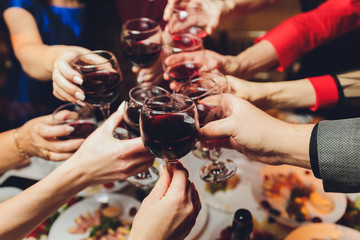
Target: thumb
113, 121
217, 129
161, 185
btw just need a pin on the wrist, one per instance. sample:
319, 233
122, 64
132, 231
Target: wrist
19, 142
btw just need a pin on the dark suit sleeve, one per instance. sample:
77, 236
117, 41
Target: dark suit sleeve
335, 151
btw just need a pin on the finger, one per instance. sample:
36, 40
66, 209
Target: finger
179, 183
168, 9
63, 84
68, 146
64, 69
217, 129
62, 95
57, 157
113, 121
135, 69
161, 185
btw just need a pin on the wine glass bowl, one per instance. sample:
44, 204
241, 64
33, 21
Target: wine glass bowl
81, 118
183, 57
169, 126
102, 78
137, 96
141, 41
207, 95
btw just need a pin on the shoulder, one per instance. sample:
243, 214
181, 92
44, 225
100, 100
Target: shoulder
28, 5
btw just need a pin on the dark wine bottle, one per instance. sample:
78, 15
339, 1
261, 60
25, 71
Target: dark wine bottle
242, 225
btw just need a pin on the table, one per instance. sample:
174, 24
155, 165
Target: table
218, 219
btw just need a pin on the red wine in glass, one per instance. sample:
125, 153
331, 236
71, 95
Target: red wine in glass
169, 136
142, 54
82, 129
101, 87
185, 72
169, 126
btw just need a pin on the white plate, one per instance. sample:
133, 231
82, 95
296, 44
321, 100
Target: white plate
324, 231
279, 203
100, 188
8, 192
66, 220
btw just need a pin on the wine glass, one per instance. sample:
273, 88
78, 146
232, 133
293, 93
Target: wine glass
200, 150
188, 18
208, 98
169, 126
141, 41
81, 118
102, 78
138, 95
183, 57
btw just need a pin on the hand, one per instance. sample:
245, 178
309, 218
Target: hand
66, 79
170, 210
212, 11
37, 137
107, 158
260, 136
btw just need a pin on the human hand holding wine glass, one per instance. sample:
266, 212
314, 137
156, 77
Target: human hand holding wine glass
141, 42
137, 96
207, 95
169, 126
102, 78
183, 57
188, 18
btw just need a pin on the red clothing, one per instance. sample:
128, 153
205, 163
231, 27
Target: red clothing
306, 31
326, 90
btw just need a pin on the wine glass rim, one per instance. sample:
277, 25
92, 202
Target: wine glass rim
216, 86
170, 95
156, 25
145, 87
64, 106
112, 57
171, 37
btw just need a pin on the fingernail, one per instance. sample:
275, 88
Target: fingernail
69, 129
80, 96
78, 80
140, 79
161, 167
81, 103
121, 108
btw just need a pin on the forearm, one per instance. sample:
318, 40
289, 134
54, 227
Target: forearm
25, 211
289, 94
37, 60
259, 57
293, 142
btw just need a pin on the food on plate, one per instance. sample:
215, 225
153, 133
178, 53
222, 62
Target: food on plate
104, 223
351, 217
231, 183
297, 195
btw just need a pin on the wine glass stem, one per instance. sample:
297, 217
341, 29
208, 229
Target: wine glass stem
170, 165
105, 110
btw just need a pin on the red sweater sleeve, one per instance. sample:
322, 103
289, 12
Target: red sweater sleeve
326, 91
304, 32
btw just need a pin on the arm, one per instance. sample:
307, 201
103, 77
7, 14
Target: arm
306, 31
36, 58
315, 92
260, 136
93, 163
334, 154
